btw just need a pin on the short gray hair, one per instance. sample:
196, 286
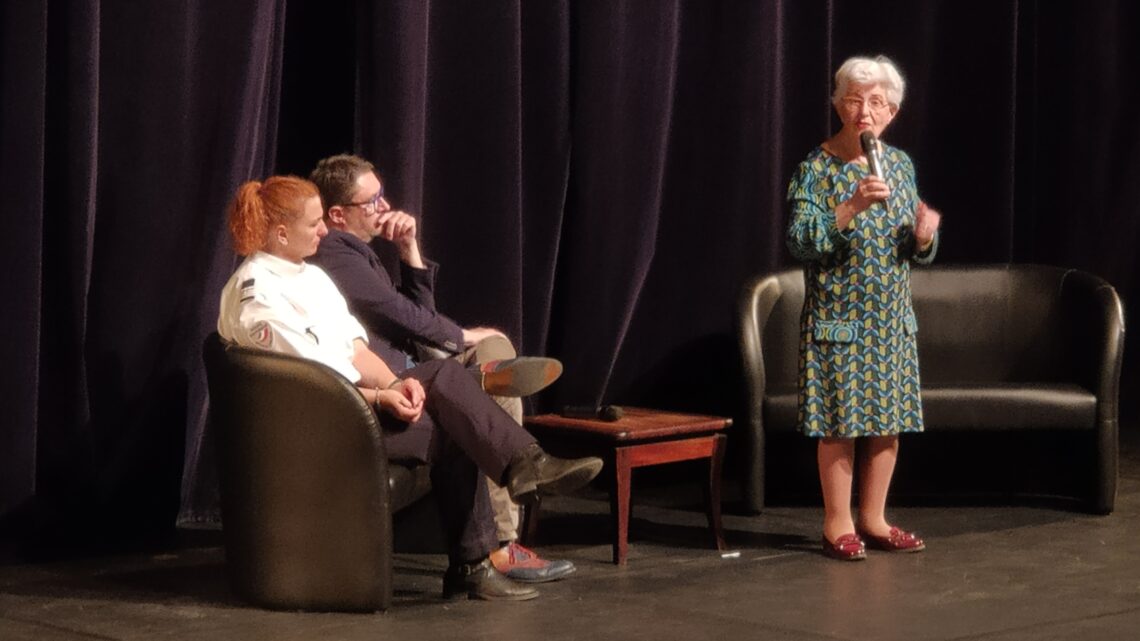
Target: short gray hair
870, 71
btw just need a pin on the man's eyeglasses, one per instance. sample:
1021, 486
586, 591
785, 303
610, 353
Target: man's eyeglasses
371, 205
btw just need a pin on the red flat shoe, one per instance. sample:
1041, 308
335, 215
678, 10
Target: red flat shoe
848, 547
897, 541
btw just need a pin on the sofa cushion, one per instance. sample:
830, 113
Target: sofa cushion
1009, 406
994, 406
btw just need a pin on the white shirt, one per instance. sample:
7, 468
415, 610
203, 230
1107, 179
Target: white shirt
274, 304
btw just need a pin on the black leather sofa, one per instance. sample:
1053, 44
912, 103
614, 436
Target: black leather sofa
1025, 348
307, 492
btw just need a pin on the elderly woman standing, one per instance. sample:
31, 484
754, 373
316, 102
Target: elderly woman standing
857, 234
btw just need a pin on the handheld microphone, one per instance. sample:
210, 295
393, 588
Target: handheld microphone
870, 146
607, 413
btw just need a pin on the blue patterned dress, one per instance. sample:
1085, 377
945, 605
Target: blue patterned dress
858, 359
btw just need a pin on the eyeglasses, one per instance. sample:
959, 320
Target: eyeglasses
371, 205
876, 103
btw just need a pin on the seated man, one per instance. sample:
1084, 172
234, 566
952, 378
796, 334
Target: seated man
402, 319
435, 412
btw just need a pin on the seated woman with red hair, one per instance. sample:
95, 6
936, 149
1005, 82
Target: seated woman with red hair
437, 413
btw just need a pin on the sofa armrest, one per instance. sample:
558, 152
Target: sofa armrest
304, 482
757, 300
1094, 317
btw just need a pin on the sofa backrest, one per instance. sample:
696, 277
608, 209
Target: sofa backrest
990, 324
976, 325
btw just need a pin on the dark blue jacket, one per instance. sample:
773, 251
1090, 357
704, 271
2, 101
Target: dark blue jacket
395, 317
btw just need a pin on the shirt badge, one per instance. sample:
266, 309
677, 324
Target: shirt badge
261, 334
247, 291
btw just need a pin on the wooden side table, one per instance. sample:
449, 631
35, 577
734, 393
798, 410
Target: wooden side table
641, 438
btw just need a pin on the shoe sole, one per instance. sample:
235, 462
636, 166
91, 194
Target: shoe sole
475, 596
838, 556
528, 496
546, 579
894, 550
525, 376
832, 552
575, 478
874, 543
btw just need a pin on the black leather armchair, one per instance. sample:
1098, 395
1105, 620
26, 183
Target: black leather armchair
307, 491
1012, 347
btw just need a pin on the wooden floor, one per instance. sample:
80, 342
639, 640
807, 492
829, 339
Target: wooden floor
992, 573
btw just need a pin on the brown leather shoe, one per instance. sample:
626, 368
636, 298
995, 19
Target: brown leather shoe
532, 472
526, 566
897, 541
519, 376
848, 547
483, 581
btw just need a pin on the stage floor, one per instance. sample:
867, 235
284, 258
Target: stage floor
994, 573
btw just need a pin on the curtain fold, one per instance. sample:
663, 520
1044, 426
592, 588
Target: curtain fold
127, 127
23, 113
721, 204
546, 145
624, 64
70, 217
238, 142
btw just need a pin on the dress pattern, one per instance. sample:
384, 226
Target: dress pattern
858, 360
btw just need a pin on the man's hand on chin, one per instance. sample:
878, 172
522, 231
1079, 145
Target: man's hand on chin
400, 228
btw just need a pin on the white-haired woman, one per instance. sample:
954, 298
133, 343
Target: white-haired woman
857, 234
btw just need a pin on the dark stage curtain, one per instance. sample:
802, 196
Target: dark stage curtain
597, 177
126, 127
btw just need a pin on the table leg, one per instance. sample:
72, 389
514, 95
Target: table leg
712, 492
528, 529
619, 504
